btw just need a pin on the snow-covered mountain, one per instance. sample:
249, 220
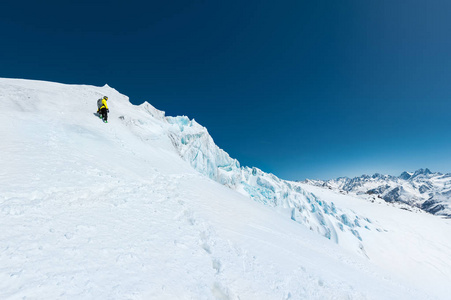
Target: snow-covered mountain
422, 189
148, 207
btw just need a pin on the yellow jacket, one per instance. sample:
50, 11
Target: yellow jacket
103, 104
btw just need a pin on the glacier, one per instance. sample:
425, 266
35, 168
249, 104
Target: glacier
197, 147
148, 207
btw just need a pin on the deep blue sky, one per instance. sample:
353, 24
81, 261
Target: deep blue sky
302, 89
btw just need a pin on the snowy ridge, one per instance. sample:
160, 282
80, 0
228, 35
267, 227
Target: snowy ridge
423, 189
112, 211
198, 148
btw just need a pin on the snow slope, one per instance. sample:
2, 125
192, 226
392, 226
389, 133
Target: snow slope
117, 211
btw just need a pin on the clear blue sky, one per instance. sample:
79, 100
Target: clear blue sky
302, 89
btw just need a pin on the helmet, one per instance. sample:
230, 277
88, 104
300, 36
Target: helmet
105, 97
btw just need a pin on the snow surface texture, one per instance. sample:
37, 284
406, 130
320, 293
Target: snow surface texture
111, 211
421, 189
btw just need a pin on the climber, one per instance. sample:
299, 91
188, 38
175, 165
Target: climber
102, 109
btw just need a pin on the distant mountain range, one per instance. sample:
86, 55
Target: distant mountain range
429, 191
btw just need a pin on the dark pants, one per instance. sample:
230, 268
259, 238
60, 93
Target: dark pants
104, 114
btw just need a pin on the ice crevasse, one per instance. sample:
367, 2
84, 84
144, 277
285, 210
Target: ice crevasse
197, 147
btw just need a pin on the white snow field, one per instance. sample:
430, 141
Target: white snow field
147, 207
